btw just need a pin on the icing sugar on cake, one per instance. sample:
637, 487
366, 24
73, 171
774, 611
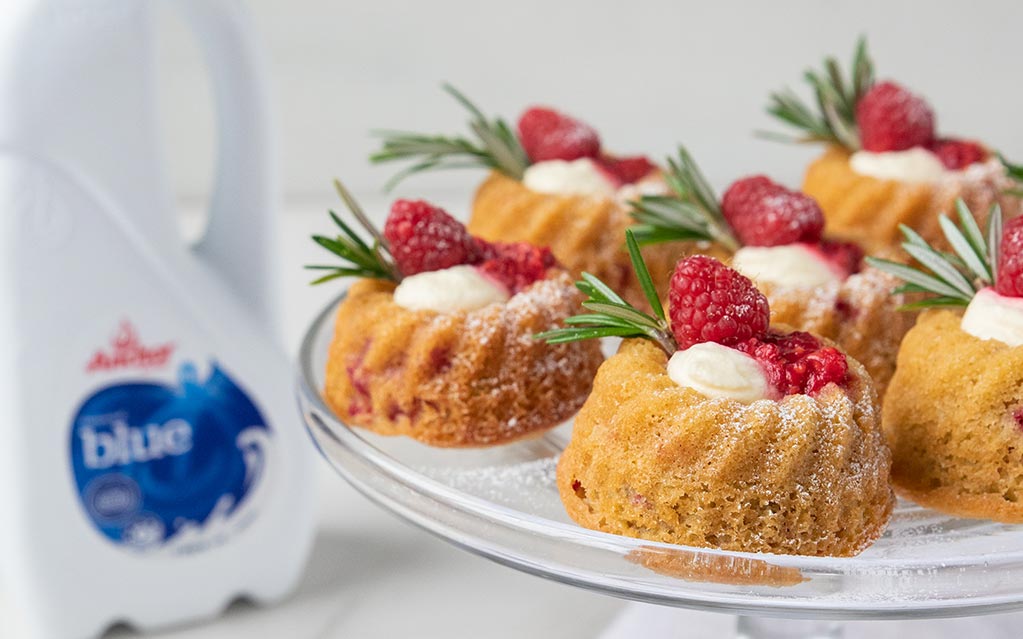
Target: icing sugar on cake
800, 475
860, 314
458, 379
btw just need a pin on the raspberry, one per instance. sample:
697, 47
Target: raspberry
516, 265
709, 302
628, 169
796, 363
744, 192
548, 135
891, 118
1010, 259
847, 257
764, 213
958, 154
424, 237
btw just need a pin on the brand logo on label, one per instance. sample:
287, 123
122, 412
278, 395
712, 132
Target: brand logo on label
170, 465
123, 444
127, 351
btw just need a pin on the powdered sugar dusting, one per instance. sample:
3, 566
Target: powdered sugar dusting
536, 384
860, 314
980, 184
508, 484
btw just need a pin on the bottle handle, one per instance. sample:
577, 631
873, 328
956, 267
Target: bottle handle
240, 235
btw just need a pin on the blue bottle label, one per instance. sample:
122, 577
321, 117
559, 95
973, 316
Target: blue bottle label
169, 466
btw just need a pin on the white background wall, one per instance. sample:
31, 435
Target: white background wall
646, 74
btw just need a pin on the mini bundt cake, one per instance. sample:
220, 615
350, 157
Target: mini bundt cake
775, 237
868, 210
725, 433
801, 475
583, 231
886, 165
436, 341
954, 417
457, 379
551, 184
955, 422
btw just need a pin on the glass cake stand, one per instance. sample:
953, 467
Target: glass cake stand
502, 503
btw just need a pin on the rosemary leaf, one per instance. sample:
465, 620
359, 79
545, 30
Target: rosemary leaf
834, 118
643, 275
971, 259
911, 275
994, 239
492, 144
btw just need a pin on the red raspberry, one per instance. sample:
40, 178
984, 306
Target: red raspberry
847, 257
958, 154
764, 213
424, 237
745, 193
628, 169
517, 265
891, 118
796, 363
548, 135
1010, 259
709, 302
825, 366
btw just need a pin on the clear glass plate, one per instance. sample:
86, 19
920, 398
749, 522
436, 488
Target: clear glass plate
502, 503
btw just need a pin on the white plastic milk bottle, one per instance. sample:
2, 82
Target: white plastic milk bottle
152, 466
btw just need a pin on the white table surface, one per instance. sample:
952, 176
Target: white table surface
373, 575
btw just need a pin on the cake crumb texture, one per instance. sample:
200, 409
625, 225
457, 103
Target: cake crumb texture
953, 421
650, 459
868, 210
458, 379
585, 233
860, 314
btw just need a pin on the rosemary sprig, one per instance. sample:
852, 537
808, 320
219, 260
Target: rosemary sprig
1015, 172
359, 258
950, 279
833, 116
612, 316
692, 213
492, 145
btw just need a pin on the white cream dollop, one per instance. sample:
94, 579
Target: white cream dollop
459, 288
912, 165
652, 184
790, 266
558, 177
719, 371
994, 316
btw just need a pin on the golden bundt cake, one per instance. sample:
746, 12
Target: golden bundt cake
584, 232
813, 283
954, 420
471, 378
887, 163
954, 412
860, 314
553, 183
716, 429
800, 475
869, 210
436, 339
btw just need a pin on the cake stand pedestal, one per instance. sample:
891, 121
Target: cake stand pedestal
502, 503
